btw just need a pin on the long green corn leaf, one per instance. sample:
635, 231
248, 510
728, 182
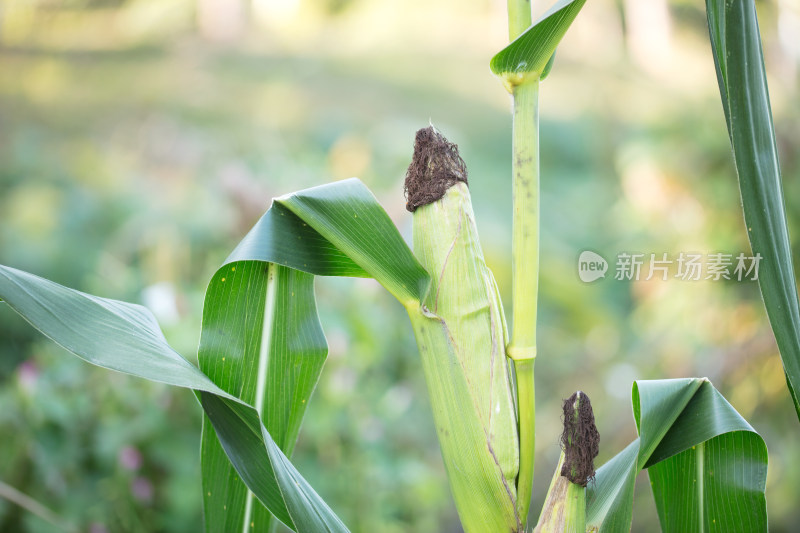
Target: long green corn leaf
261, 338
707, 465
739, 60
530, 55
262, 342
125, 337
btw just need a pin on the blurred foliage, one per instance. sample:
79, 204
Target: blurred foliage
140, 139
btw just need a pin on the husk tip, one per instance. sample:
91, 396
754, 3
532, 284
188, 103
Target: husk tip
435, 167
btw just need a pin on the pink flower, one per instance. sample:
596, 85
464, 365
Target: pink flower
142, 489
130, 458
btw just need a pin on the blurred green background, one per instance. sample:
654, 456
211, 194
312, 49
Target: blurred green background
140, 139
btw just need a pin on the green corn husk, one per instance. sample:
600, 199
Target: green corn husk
461, 334
564, 509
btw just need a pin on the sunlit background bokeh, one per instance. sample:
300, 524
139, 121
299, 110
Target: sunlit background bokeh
140, 139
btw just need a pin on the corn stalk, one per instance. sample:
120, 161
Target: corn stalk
523, 84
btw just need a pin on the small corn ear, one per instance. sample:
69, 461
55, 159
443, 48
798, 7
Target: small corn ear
461, 333
564, 508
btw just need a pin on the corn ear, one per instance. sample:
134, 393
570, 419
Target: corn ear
461, 334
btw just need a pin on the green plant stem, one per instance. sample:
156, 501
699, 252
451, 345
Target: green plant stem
525, 258
526, 399
525, 275
7, 492
519, 17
